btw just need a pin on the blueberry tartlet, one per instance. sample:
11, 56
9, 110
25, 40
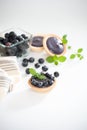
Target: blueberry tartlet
43, 82
53, 45
37, 42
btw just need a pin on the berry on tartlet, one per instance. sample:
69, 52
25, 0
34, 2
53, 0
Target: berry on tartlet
41, 82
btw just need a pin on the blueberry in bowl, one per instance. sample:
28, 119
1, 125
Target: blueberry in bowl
14, 42
53, 45
40, 82
36, 43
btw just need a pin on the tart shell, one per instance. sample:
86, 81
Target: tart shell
45, 89
46, 48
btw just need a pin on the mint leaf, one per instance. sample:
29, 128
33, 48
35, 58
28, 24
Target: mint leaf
72, 56
64, 40
62, 58
69, 47
55, 57
56, 62
50, 59
78, 55
79, 50
81, 57
32, 71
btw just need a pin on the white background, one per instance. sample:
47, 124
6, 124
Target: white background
65, 107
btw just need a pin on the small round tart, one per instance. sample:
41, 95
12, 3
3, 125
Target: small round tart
53, 45
41, 88
36, 43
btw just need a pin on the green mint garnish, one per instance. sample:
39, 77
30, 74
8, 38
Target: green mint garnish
62, 58
72, 56
69, 47
50, 59
81, 57
55, 59
56, 62
64, 40
35, 74
78, 54
79, 50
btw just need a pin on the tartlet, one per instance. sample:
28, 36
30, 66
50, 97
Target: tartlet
53, 42
43, 89
36, 43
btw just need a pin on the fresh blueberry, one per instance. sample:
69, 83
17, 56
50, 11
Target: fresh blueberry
5, 41
24, 64
25, 60
27, 71
39, 84
6, 35
19, 38
44, 68
50, 82
24, 36
37, 65
56, 74
41, 60
31, 59
49, 76
45, 83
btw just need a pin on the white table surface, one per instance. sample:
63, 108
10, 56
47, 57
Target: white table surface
65, 107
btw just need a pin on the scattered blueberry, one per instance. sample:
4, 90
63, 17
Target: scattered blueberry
31, 59
44, 68
27, 71
37, 65
56, 74
25, 64
41, 60
25, 60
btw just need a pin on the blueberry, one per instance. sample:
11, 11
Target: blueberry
6, 35
44, 68
18, 54
24, 36
24, 64
50, 82
49, 76
5, 41
45, 83
12, 36
56, 74
33, 81
19, 38
11, 51
25, 60
41, 60
39, 84
37, 65
27, 71
31, 59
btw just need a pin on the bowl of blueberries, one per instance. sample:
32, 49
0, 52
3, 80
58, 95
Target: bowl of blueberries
14, 42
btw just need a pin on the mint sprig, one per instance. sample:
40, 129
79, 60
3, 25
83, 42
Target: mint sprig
64, 39
55, 59
37, 75
77, 54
